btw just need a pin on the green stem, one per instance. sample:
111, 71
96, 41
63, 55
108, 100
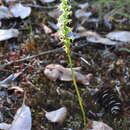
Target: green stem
77, 91
64, 29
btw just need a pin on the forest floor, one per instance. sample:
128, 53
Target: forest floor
109, 65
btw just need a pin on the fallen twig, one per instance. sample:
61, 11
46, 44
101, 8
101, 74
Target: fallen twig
31, 57
41, 7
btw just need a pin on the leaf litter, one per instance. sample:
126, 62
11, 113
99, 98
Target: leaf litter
6, 34
7, 82
57, 115
55, 71
47, 1
22, 120
105, 62
99, 126
16, 10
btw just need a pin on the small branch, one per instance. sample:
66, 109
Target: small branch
31, 57
24, 98
85, 61
41, 7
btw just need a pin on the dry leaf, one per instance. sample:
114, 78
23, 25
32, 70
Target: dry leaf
6, 34
53, 25
57, 116
82, 13
83, 6
9, 1
112, 38
47, 1
98, 39
46, 29
94, 37
18, 10
122, 36
4, 13
56, 71
55, 13
22, 120
16, 89
98, 125
6, 82
30, 46
5, 126
1, 2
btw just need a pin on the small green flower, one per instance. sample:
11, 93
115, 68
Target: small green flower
64, 30
63, 22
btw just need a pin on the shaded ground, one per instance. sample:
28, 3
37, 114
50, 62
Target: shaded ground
109, 66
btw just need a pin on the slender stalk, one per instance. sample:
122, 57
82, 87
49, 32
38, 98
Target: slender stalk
77, 91
64, 29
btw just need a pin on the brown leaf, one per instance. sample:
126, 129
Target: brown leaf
30, 46
56, 71
98, 125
